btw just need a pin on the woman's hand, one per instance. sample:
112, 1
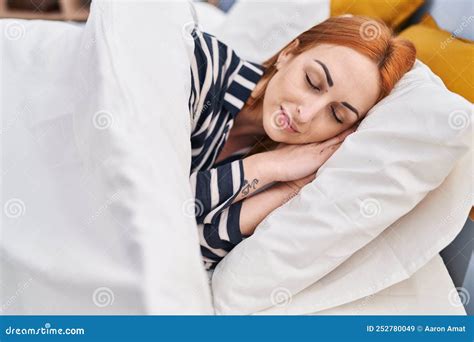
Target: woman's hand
295, 162
256, 208
291, 188
299, 183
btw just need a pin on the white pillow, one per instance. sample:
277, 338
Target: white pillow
402, 151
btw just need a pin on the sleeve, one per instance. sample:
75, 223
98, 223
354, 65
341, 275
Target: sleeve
217, 218
219, 77
215, 189
220, 237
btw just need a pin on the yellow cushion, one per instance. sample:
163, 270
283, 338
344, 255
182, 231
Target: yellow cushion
392, 12
429, 21
450, 58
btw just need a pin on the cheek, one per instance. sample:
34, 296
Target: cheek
291, 82
271, 105
272, 92
280, 89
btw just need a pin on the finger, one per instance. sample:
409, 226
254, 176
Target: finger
338, 138
308, 178
328, 151
348, 132
335, 140
292, 185
305, 180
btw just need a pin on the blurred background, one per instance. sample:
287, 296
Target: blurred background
77, 10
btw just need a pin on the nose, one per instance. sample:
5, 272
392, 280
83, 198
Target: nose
308, 110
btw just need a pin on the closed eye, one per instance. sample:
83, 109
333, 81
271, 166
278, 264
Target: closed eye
311, 84
335, 116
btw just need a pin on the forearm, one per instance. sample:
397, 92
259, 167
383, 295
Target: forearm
258, 172
256, 208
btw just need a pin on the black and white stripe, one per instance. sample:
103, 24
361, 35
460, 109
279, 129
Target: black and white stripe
221, 84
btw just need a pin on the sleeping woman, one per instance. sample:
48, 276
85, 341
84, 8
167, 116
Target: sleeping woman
260, 132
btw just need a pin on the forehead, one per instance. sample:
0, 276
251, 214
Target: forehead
355, 76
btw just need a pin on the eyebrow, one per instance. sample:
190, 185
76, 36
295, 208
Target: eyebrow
345, 104
331, 83
326, 71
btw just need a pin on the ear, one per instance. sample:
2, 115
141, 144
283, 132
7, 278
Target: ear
287, 53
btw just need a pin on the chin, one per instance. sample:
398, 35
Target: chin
276, 134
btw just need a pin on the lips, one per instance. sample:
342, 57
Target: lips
286, 119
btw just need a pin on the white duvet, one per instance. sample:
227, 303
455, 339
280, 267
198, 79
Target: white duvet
96, 157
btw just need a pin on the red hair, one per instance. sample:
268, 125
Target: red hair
394, 56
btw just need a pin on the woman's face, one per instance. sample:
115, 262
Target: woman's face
318, 93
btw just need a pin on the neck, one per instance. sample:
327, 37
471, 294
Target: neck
249, 121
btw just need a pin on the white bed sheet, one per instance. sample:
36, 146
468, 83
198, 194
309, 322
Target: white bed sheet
430, 291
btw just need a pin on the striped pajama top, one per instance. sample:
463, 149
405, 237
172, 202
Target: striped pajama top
221, 83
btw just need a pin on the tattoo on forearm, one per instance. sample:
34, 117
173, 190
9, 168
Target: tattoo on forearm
247, 186
292, 194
